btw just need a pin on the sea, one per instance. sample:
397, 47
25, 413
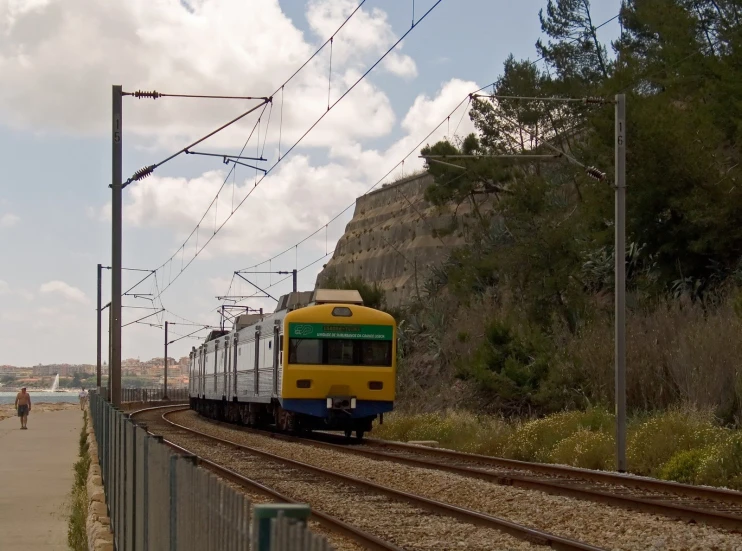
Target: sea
41, 396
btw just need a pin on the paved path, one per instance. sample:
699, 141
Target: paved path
36, 479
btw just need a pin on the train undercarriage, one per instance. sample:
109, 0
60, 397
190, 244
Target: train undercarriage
272, 414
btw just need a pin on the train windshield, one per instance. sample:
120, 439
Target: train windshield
340, 352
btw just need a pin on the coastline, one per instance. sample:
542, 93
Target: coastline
30, 390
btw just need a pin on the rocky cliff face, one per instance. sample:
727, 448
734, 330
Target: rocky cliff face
393, 239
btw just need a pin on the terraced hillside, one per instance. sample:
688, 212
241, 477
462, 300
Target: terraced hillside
394, 238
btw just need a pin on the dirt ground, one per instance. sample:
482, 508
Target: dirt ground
7, 410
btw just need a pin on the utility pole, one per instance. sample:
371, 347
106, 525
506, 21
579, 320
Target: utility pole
164, 395
293, 273
98, 341
620, 291
116, 213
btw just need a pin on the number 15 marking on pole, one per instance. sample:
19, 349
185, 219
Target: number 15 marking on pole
117, 130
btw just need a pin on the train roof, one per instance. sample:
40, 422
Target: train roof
215, 334
290, 302
337, 296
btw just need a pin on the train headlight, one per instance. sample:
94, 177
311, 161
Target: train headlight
352, 403
329, 403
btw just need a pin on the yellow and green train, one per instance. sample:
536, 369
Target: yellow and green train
321, 361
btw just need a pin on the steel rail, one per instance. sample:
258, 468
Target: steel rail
559, 486
153, 408
519, 531
664, 486
369, 541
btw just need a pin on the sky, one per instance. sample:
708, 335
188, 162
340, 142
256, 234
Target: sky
195, 221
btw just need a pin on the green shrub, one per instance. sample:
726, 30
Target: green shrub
507, 364
652, 443
721, 465
77, 537
684, 446
535, 440
458, 430
683, 466
586, 449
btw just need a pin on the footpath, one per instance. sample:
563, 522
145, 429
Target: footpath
36, 478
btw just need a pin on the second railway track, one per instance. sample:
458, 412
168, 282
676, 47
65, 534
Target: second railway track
573, 517
716, 507
712, 506
577, 520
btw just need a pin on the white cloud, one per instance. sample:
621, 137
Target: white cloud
6, 289
295, 200
64, 289
426, 112
8, 220
228, 47
367, 32
25, 294
422, 117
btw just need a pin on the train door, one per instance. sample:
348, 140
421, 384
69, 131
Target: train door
216, 364
201, 373
234, 366
225, 367
276, 329
257, 360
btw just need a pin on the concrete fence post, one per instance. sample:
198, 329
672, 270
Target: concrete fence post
263, 514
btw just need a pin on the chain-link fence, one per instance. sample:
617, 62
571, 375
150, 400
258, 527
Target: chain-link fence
161, 500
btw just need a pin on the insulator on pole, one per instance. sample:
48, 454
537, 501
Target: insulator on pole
142, 173
596, 174
146, 94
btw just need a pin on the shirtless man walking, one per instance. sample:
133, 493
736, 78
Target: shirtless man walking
23, 405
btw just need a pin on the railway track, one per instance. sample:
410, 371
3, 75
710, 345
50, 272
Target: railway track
713, 506
530, 535
368, 541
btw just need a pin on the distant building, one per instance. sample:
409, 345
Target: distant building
64, 370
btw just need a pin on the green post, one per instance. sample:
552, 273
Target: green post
264, 512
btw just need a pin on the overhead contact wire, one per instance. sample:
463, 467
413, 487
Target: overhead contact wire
301, 138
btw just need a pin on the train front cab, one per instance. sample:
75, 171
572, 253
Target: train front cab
339, 368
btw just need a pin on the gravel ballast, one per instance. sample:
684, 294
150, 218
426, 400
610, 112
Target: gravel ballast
403, 524
598, 524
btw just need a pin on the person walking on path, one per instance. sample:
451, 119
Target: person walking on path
23, 405
83, 396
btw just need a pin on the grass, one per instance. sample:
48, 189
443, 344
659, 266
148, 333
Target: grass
77, 537
682, 444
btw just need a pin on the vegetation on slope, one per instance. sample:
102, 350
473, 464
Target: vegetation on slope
517, 326
522, 317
